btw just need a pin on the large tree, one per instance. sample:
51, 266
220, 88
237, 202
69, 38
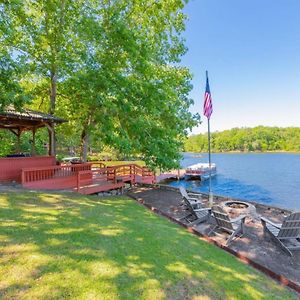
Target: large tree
42, 33
132, 93
112, 67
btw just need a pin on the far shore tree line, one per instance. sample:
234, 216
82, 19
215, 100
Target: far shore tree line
109, 67
258, 139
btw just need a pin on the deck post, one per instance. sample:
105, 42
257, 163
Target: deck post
134, 174
78, 181
23, 177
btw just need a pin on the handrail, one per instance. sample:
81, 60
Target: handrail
100, 165
56, 167
84, 173
52, 172
90, 176
112, 173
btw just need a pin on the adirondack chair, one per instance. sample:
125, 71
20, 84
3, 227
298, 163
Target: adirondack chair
286, 233
232, 226
193, 199
196, 215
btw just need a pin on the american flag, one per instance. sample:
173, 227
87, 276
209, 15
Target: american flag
207, 107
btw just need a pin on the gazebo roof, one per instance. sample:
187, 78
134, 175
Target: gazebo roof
26, 119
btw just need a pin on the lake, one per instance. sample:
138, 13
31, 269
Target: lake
268, 178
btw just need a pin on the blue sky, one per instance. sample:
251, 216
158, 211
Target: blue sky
251, 50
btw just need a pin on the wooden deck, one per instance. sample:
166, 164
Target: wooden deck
91, 178
85, 180
97, 187
52, 177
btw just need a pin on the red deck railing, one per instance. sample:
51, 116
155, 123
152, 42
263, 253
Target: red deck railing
92, 177
82, 176
98, 165
114, 176
52, 177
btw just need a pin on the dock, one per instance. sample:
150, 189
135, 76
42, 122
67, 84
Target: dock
173, 174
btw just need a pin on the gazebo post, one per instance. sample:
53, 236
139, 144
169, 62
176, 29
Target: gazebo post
33, 150
18, 135
19, 132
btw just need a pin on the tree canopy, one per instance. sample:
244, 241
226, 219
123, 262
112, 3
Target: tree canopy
110, 67
259, 138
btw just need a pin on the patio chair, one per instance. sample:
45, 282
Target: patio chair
233, 226
191, 198
285, 235
196, 215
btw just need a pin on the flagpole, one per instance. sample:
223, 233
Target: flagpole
210, 194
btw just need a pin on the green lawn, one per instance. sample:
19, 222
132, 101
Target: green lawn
66, 246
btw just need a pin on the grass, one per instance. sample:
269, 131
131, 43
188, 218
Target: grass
67, 246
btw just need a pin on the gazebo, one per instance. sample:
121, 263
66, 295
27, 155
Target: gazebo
26, 120
41, 172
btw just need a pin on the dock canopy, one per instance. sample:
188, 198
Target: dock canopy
18, 121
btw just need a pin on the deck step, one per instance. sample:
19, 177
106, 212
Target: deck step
100, 187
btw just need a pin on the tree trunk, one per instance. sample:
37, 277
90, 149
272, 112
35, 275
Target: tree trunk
51, 141
84, 144
85, 137
52, 109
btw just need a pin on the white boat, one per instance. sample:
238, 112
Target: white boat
200, 171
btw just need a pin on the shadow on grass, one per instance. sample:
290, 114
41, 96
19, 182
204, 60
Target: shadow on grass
68, 246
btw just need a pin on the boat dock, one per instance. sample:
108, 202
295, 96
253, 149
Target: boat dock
173, 174
200, 171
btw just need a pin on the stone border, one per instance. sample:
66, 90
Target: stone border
280, 278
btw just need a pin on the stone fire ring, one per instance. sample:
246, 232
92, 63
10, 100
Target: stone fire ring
232, 207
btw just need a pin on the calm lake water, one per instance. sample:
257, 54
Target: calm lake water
269, 178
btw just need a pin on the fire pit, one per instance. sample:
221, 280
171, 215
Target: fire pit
237, 204
236, 208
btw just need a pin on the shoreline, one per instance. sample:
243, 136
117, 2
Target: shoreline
245, 152
218, 198
224, 197
253, 248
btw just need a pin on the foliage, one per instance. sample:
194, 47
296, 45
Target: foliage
41, 35
8, 142
259, 138
129, 95
68, 246
111, 68
11, 90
